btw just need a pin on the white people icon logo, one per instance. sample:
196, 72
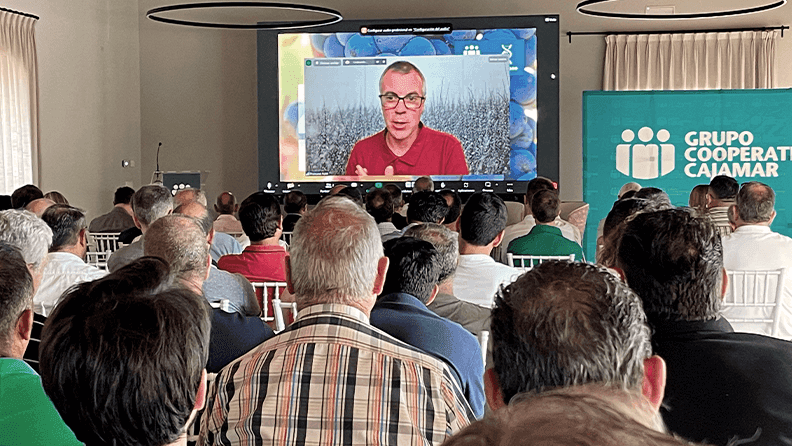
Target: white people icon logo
645, 160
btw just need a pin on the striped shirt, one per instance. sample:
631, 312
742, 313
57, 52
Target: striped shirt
333, 379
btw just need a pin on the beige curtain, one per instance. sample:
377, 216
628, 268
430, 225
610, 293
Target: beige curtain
19, 135
695, 61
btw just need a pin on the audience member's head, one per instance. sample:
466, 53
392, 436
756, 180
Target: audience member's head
39, 205
698, 197
353, 193
68, 228
260, 215
674, 262
621, 211
24, 195
722, 188
188, 194
445, 241
422, 183
427, 207
336, 256
123, 195
483, 219
336, 189
396, 195
414, 268
755, 204
534, 186
123, 357
628, 187
565, 324
654, 195
545, 206
226, 204
380, 205
16, 300
57, 197
454, 202
295, 202
150, 203
30, 235
180, 241
200, 214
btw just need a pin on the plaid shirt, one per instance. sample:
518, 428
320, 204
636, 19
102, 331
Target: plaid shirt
331, 379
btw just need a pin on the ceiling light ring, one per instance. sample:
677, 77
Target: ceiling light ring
703, 15
334, 16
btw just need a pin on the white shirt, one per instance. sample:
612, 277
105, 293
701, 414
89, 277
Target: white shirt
568, 230
756, 247
62, 270
478, 277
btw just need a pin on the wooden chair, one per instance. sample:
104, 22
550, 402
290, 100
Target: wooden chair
751, 303
529, 261
286, 237
103, 241
277, 308
267, 292
97, 259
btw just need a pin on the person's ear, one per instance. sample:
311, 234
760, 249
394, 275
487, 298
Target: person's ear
82, 238
280, 223
498, 239
210, 236
208, 267
725, 284
492, 390
137, 222
654, 381
772, 217
287, 268
707, 200
200, 397
24, 325
382, 272
459, 225
435, 290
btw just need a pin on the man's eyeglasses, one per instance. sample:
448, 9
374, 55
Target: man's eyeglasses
411, 101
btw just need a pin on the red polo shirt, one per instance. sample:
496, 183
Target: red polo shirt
432, 153
258, 263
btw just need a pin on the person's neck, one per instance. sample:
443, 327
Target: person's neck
549, 223
364, 306
126, 207
466, 248
718, 203
400, 146
74, 249
181, 441
740, 223
272, 241
446, 287
193, 284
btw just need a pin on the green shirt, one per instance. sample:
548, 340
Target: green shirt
27, 416
545, 240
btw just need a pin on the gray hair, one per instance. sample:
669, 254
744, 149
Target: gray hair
181, 197
17, 293
199, 212
28, 233
445, 241
566, 324
334, 253
755, 202
180, 241
404, 67
151, 202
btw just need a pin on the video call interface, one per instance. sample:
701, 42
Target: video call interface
480, 88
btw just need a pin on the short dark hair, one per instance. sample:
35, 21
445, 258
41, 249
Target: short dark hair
423, 183
260, 215
24, 195
380, 205
564, 324
123, 195
294, 202
755, 202
455, 208
225, 203
122, 356
396, 195
483, 218
66, 223
673, 261
545, 205
445, 241
414, 267
622, 210
16, 289
353, 193
653, 194
724, 187
151, 202
427, 206
535, 185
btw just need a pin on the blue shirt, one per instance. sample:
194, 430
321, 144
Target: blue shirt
407, 319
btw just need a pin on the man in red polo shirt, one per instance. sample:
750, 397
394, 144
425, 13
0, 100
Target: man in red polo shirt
406, 146
262, 261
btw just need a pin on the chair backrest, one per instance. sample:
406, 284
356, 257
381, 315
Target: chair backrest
277, 308
223, 304
286, 237
529, 261
578, 217
751, 303
236, 235
267, 292
516, 212
103, 241
483, 339
97, 259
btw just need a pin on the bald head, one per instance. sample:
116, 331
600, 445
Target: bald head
226, 203
39, 205
198, 212
180, 241
187, 195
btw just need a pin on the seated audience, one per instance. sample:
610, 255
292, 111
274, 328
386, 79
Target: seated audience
721, 385
698, 198
478, 277
222, 285
399, 220
426, 207
721, 195
514, 231
38, 206
380, 206
753, 246
222, 243
123, 358
57, 197
471, 316
330, 372
65, 265
226, 207
575, 326
31, 236
120, 218
545, 238
27, 417
454, 202
24, 195
410, 285
295, 204
421, 184
180, 241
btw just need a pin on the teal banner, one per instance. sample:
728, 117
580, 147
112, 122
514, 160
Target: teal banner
675, 140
